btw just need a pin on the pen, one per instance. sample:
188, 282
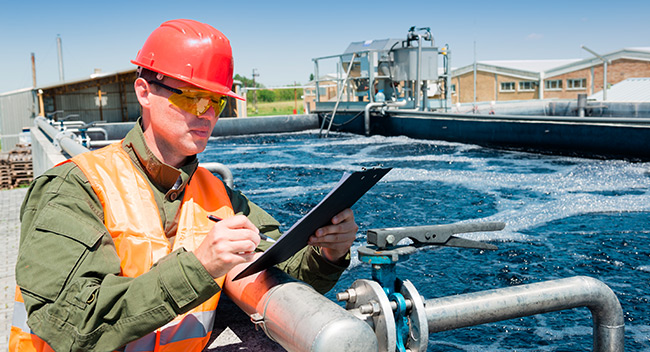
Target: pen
262, 236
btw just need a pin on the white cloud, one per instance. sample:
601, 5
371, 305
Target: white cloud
534, 36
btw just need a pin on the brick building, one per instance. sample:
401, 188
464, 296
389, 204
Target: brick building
544, 79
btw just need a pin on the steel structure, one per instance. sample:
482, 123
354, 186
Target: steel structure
390, 72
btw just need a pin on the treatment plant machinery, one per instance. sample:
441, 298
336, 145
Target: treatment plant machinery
387, 73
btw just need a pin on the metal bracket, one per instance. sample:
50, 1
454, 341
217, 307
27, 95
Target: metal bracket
258, 321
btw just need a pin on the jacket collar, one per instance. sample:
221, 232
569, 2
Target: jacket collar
162, 175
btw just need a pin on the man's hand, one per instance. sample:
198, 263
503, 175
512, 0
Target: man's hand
336, 239
230, 242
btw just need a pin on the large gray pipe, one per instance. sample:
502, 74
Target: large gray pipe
296, 316
470, 309
61, 138
68, 143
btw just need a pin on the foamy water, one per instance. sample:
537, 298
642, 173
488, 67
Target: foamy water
564, 217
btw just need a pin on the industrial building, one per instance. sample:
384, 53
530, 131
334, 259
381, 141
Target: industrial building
103, 97
546, 79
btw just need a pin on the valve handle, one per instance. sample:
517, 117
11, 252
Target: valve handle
440, 235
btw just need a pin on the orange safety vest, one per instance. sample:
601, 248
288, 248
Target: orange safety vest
133, 220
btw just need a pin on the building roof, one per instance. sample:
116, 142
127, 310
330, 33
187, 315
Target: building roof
534, 69
498, 68
91, 77
635, 53
630, 90
530, 65
640, 48
17, 91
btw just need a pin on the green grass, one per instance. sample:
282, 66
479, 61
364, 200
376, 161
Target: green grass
274, 108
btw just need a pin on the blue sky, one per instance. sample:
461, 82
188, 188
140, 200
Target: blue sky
280, 38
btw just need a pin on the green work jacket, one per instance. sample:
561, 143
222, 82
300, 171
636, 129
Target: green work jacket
66, 252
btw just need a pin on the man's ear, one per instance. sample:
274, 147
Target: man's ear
142, 91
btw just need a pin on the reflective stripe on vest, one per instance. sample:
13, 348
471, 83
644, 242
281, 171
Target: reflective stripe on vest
131, 216
21, 337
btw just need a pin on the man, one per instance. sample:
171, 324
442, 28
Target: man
116, 249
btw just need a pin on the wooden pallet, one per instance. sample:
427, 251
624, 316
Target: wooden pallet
5, 181
22, 181
16, 167
21, 166
5, 176
20, 157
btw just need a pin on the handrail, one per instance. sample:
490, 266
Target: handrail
222, 170
338, 100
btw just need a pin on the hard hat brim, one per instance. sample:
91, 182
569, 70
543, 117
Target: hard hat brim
200, 83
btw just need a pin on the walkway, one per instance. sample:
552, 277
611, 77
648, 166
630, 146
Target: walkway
10, 201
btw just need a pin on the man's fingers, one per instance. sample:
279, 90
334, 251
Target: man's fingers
238, 221
230, 242
344, 215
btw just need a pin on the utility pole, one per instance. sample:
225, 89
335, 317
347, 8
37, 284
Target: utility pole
41, 107
33, 71
255, 74
295, 98
605, 62
99, 100
474, 108
60, 51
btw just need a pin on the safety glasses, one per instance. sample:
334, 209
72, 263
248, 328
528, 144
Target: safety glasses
195, 101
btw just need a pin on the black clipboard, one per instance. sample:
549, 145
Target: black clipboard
350, 188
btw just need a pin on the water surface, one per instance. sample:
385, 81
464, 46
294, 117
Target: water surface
565, 217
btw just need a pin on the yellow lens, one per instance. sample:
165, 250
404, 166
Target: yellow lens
198, 102
219, 105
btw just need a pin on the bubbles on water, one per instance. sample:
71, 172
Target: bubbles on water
564, 217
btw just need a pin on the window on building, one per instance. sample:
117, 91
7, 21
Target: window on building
555, 84
527, 86
576, 83
507, 87
453, 89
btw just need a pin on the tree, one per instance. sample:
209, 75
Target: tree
247, 82
266, 96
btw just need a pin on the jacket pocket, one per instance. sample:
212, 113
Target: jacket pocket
53, 249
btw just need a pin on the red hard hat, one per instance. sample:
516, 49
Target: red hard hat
192, 52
